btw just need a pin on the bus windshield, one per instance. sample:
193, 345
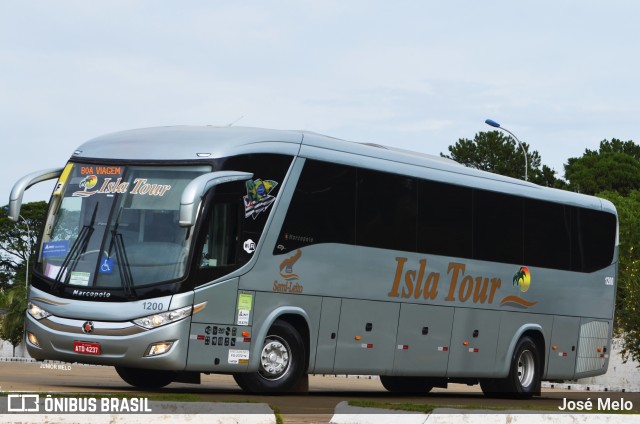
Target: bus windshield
116, 226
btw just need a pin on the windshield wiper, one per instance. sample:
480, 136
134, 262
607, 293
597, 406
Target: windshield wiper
121, 256
78, 246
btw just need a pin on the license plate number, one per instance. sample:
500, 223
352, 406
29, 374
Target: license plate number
86, 348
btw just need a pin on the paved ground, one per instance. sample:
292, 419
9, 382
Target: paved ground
318, 406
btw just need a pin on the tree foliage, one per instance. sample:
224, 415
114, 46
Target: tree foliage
628, 294
614, 167
12, 323
611, 172
495, 152
18, 241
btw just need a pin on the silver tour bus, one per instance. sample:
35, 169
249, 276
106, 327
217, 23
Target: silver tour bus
269, 255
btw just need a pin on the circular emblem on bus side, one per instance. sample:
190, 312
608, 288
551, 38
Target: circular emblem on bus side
87, 327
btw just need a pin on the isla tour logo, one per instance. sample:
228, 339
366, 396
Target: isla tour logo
23, 403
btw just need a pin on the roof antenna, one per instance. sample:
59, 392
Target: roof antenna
231, 124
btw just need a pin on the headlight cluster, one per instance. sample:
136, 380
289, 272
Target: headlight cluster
164, 318
37, 312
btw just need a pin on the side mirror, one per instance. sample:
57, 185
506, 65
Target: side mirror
196, 189
15, 199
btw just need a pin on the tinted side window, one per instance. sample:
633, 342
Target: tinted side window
322, 209
340, 204
386, 211
593, 241
547, 229
444, 219
497, 227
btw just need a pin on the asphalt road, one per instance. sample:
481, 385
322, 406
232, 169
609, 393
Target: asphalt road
325, 392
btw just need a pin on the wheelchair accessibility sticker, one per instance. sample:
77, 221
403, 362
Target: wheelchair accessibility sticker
106, 266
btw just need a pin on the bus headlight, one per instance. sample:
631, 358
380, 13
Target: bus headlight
37, 312
164, 318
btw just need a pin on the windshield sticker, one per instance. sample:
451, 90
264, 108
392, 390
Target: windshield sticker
80, 278
106, 266
55, 249
62, 180
140, 187
258, 198
52, 271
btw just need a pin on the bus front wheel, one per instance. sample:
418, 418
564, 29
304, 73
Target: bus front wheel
282, 360
396, 384
146, 379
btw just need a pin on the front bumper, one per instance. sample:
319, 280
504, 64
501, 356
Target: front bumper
121, 343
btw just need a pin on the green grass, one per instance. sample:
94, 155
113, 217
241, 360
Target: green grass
411, 407
277, 413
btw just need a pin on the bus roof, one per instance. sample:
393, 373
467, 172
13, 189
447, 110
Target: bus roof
207, 142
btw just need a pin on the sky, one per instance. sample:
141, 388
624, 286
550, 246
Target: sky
419, 75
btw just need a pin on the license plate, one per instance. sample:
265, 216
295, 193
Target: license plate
87, 348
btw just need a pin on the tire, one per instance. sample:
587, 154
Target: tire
396, 384
146, 379
489, 387
282, 363
523, 380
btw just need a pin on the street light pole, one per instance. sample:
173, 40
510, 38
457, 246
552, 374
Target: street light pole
526, 162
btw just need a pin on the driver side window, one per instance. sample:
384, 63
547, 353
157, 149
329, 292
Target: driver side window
220, 245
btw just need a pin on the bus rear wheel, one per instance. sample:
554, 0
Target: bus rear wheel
146, 379
397, 384
523, 380
282, 360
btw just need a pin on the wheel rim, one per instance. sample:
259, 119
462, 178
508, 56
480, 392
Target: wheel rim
526, 368
275, 358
